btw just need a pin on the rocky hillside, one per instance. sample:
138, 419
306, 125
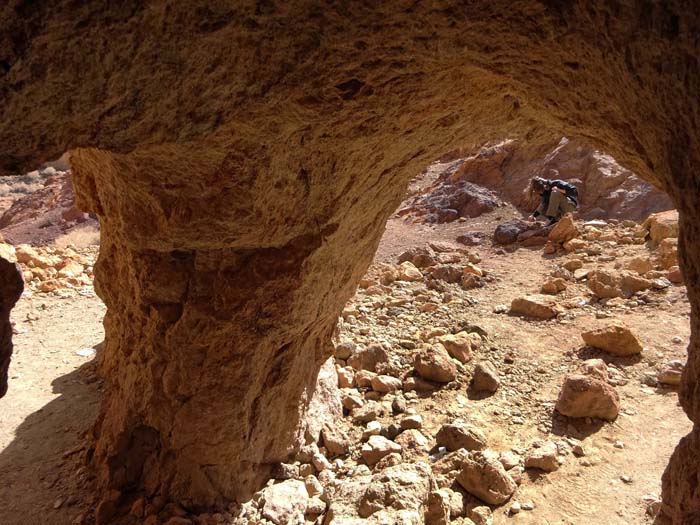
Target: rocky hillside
477, 180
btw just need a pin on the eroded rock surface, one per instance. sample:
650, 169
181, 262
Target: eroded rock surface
242, 199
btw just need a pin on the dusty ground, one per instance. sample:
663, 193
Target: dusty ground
53, 391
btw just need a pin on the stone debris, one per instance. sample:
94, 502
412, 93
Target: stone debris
484, 476
456, 436
670, 373
615, 339
543, 457
588, 396
485, 378
434, 364
538, 306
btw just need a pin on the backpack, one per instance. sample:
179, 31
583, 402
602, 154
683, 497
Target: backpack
570, 189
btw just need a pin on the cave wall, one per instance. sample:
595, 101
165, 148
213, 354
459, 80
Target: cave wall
243, 158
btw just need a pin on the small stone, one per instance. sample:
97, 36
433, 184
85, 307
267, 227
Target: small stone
373, 428
481, 515
535, 305
434, 364
485, 377
456, 435
377, 447
543, 458
626, 479
527, 505
483, 476
586, 396
670, 373
619, 444
615, 339
385, 384
458, 346
514, 508
509, 459
412, 422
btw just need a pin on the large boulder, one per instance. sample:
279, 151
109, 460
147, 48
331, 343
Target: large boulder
615, 338
588, 396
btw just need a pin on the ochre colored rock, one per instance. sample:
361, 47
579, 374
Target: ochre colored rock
564, 230
485, 477
241, 200
535, 305
434, 364
588, 396
661, 226
615, 339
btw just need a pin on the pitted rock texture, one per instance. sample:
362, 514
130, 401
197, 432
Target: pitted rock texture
11, 287
243, 158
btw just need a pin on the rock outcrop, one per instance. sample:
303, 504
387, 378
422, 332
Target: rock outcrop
11, 287
243, 159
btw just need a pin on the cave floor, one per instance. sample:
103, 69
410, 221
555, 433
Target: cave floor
54, 393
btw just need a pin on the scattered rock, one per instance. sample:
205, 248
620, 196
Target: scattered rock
586, 396
401, 487
434, 364
544, 457
670, 374
538, 306
554, 286
377, 447
615, 339
455, 436
458, 346
485, 377
564, 230
483, 476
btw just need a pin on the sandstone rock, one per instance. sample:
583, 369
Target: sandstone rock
414, 445
544, 457
539, 306
564, 230
408, 272
373, 428
385, 384
574, 245
458, 346
641, 265
509, 459
470, 281
434, 364
615, 339
455, 436
11, 287
632, 283
472, 269
335, 440
450, 273
483, 476
661, 226
414, 421
667, 253
325, 407
585, 396
438, 508
605, 283
596, 368
670, 373
554, 286
401, 487
485, 377
573, 264
377, 447
368, 358
346, 377
285, 502
481, 515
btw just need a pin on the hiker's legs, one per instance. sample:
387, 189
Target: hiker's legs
559, 205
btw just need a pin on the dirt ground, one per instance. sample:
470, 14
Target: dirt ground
53, 391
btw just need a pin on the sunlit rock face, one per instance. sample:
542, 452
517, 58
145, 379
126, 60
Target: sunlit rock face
243, 158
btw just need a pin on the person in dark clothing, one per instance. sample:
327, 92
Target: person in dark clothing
557, 197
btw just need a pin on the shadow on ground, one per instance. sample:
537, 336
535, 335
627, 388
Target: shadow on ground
43, 479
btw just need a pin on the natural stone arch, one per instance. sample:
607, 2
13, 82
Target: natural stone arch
243, 159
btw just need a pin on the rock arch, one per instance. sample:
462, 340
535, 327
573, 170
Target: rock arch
243, 158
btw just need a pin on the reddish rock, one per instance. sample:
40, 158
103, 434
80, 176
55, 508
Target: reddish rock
587, 396
535, 305
434, 364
